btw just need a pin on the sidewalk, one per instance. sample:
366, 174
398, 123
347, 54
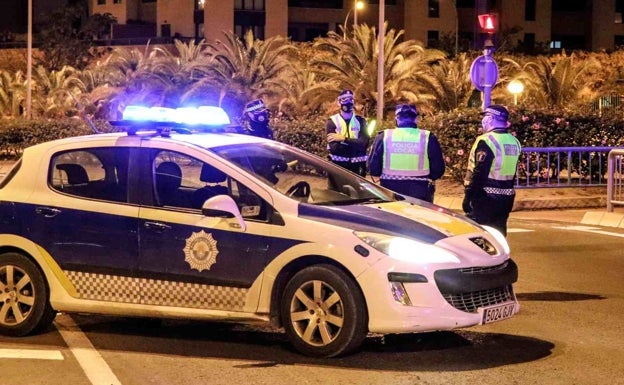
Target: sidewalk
584, 205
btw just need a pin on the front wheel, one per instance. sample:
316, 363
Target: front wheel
24, 302
323, 312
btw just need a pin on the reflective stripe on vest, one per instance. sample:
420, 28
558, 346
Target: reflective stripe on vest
506, 149
352, 130
405, 152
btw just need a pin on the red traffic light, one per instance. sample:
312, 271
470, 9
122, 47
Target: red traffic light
488, 22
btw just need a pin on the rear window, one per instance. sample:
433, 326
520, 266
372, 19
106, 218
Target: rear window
11, 173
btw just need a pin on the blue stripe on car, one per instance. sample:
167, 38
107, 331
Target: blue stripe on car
370, 218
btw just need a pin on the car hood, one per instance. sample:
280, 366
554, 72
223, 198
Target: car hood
426, 223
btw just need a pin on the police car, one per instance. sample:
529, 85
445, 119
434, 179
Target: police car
172, 218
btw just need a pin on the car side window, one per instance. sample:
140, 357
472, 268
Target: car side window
185, 182
95, 173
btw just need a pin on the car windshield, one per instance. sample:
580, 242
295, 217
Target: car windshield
304, 176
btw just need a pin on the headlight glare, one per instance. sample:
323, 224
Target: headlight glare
407, 250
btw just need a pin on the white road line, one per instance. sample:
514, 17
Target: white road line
92, 363
32, 354
518, 230
587, 229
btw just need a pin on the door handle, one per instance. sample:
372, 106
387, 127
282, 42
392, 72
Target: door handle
47, 212
156, 226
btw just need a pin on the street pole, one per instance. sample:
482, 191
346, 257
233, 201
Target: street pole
29, 63
355, 2
380, 63
488, 73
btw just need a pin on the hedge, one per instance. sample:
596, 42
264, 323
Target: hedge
455, 130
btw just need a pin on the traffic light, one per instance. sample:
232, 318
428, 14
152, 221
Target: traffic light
488, 22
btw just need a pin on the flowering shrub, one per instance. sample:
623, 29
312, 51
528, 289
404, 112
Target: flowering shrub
457, 131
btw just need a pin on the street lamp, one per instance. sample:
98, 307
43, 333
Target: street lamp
357, 5
515, 87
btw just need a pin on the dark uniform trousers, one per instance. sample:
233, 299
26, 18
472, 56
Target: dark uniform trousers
492, 210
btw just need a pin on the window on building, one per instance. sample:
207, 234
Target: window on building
388, 2
241, 30
334, 4
148, 1
529, 41
249, 5
529, 10
433, 39
568, 5
199, 4
101, 2
619, 6
465, 3
117, 1
555, 44
434, 8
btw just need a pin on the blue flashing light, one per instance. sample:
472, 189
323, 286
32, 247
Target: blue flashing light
193, 116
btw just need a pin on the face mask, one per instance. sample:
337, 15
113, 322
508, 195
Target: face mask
347, 107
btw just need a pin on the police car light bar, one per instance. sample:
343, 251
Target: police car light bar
156, 118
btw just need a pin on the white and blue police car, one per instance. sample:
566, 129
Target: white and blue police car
171, 219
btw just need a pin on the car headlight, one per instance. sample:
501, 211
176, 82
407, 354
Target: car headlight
405, 249
500, 238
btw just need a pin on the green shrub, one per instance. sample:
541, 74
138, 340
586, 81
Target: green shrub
455, 130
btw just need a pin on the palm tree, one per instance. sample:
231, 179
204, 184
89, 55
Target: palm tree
560, 81
448, 83
240, 70
128, 80
351, 62
12, 93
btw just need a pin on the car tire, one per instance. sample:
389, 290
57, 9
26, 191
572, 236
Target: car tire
24, 297
323, 312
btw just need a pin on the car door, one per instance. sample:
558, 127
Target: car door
86, 223
191, 259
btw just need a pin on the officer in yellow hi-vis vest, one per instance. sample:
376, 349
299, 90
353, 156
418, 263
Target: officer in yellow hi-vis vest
490, 177
407, 159
347, 137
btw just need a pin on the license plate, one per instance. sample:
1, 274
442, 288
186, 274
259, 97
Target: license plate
496, 313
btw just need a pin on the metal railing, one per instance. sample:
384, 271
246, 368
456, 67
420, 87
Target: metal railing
540, 167
615, 191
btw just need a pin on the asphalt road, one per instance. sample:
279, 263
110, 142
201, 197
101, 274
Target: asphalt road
569, 331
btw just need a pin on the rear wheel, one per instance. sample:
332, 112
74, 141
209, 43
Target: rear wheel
323, 312
24, 297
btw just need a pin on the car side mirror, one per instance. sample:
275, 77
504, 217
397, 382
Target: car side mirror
223, 206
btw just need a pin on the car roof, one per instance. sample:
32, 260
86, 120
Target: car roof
205, 140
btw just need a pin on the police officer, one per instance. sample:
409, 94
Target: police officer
407, 159
257, 114
347, 138
489, 181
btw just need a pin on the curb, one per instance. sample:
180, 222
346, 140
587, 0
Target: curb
455, 203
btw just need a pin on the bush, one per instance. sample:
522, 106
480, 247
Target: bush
455, 130
17, 134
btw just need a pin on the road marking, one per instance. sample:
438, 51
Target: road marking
518, 230
31, 354
92, 363
588, 229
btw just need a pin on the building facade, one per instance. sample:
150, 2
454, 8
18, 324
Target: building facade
558, 24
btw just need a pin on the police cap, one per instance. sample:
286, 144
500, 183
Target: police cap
407, 110
498, 112
345, 96
255, 106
